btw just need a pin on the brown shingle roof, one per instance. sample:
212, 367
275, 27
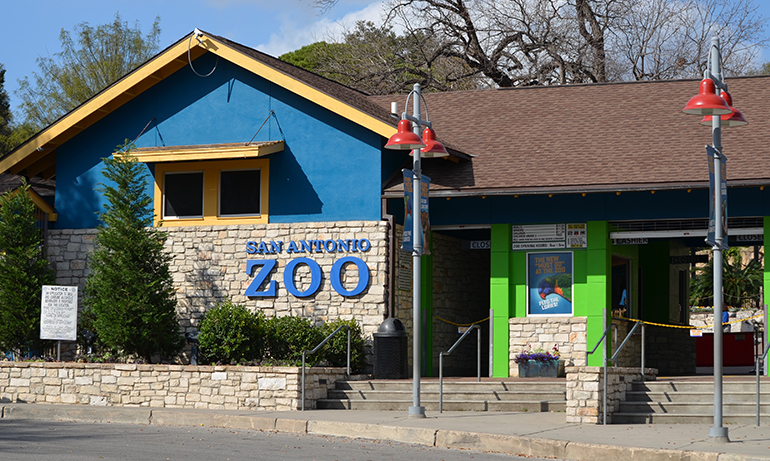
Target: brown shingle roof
596, 137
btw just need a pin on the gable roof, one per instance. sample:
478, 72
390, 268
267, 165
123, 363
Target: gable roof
596, 137
37, 156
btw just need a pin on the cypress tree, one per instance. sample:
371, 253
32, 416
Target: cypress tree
23, 272
129, 288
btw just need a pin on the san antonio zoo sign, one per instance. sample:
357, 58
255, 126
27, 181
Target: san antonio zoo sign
549, 283
264, 267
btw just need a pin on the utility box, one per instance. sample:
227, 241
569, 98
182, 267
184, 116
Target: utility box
390, 350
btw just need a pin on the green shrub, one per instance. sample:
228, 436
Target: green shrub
287, 337
231, 334
335, 352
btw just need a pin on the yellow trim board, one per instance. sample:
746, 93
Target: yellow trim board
211, 171
208, 152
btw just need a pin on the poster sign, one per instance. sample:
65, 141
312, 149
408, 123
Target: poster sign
711, 238
59, 313
407, 242
549, 284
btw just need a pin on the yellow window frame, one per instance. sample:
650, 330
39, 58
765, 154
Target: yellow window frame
211, 177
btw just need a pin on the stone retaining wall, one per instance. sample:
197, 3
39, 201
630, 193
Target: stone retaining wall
568, 333
585, 390
165, 386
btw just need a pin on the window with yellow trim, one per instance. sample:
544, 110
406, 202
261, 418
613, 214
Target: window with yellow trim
212, 192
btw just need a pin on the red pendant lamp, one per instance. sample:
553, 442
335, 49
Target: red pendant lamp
433, 148
707, 102
404, 139
734, 119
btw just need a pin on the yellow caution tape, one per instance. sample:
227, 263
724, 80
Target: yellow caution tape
689, 327
460, 324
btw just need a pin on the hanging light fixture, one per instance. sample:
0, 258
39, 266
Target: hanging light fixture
707, 102
404, 139
433, 148
734, 119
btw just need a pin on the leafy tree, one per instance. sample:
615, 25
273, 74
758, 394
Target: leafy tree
376, 60
23, 272
129, 287
231, 334
741, 282
91, 59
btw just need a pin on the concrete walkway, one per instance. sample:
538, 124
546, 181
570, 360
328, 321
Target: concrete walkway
533, 434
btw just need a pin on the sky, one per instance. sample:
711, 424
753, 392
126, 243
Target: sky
272, 26
32, 27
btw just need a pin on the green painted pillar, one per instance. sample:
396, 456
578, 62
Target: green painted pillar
500, 297
767, 279
597, 293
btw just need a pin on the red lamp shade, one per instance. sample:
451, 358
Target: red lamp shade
432, 148
404, 139
707, 102
734, 119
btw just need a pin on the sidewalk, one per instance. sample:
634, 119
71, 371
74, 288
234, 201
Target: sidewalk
533, 434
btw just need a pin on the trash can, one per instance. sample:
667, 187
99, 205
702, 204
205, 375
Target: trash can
390, 350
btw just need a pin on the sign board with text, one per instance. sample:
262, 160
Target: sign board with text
59, 313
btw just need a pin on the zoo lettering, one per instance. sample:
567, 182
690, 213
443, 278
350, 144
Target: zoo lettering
306, 246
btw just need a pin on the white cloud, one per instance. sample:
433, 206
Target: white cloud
298, 30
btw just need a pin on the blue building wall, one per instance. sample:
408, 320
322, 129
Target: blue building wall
330, 170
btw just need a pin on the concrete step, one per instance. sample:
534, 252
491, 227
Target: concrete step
663, 418
690, 408
449, 405
695, 397
680, 386
463, 395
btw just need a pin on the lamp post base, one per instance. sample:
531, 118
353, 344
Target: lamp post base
416, 412
718, 435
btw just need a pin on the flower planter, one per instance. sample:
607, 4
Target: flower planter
537, 369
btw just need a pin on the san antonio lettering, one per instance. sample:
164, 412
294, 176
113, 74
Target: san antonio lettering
309, 246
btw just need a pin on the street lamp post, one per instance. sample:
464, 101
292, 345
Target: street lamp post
718, 112
406, 139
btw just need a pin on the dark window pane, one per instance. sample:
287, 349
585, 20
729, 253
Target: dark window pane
183, 195
239, 192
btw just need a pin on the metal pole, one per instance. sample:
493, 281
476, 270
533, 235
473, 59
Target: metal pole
767, 341
717, 433
441, 382
348, 352
416, 410
642, 353
478, 354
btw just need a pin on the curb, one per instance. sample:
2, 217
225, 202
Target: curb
440, 438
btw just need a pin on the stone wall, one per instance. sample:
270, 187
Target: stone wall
568, 333
210, 264
165, 386
585, 390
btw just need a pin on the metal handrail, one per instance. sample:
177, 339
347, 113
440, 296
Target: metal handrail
316, 350
756, 370
441, 363
604, 335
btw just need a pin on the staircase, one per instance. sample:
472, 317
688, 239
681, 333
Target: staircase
488, 395
691, 401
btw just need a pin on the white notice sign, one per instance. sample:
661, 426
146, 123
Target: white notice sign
59, 313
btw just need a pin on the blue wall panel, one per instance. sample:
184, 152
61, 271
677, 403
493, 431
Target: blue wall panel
330, 170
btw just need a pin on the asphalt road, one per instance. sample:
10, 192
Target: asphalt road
22, 440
